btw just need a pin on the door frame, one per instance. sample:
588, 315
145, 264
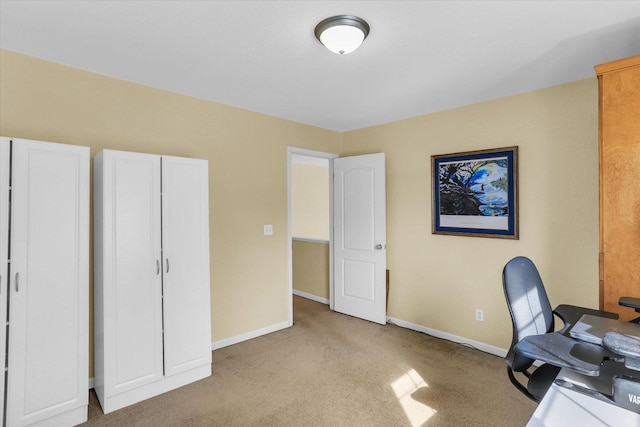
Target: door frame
291, 151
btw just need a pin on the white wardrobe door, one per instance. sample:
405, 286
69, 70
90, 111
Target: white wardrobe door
49, 318
132, 285
4, 246
185, 237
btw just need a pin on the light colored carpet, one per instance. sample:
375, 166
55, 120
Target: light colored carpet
334, 370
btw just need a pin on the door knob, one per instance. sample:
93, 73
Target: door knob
378, 246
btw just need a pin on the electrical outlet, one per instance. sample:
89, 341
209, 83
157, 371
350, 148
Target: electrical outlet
268, 229
479, 315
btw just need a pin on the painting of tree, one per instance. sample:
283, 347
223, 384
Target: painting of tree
474, 187
475, 193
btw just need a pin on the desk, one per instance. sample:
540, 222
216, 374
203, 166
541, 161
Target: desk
564, 407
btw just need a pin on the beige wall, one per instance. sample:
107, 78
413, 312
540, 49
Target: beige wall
438, 281
311, 268
310, 201
247, 155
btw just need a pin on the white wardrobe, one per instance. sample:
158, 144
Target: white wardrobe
151, 265
44, 283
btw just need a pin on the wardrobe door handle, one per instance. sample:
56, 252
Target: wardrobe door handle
157, 267
167, 265
17, 284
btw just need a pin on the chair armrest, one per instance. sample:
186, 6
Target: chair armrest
564, 352
570, 314
630, 302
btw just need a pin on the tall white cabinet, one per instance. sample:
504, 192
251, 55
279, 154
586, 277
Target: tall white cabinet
151, 266
44, 282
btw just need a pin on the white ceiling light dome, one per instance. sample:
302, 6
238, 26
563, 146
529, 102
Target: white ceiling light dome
342, 34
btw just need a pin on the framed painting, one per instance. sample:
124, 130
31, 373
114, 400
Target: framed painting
476, 193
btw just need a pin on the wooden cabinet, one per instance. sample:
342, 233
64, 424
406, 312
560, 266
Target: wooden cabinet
151, 304
619, 108
44, 259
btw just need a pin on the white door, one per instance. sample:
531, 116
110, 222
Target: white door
360, 236
131, 286
4, 246
49, 313
185, 247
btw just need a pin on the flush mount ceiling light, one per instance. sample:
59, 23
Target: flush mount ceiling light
342, 34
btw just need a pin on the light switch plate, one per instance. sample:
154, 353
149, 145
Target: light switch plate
268, 229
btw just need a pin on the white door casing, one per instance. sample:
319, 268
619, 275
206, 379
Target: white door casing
359, 210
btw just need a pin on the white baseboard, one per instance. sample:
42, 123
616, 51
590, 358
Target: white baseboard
92, 383
311, 297
500, 352
497, 351
249, 335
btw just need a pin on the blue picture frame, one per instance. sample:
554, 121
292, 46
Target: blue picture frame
475, 193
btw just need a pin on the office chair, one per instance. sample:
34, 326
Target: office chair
531, 314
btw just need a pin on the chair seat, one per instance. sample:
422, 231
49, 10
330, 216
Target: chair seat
541, 379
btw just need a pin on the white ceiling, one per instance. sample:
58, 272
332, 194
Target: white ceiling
420, 57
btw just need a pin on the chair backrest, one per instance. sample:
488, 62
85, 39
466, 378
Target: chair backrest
531, 312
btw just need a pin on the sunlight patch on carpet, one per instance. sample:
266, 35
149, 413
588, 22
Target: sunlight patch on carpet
407, 384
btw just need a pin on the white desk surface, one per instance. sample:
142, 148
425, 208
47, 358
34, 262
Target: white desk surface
564, 407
